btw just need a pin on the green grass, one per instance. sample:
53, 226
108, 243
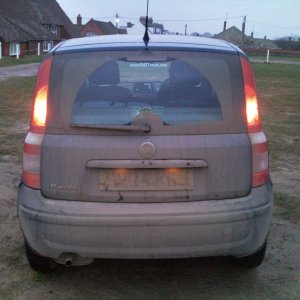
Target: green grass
15, 106
16, 96
290, 206
279, 90
12, 61
279, 93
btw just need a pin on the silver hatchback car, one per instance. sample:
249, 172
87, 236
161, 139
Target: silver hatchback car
141, 151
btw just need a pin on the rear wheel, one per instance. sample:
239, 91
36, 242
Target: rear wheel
253, 260
37, 262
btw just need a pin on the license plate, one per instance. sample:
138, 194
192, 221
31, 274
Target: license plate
146, 180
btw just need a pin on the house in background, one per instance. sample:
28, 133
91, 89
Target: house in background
154, 28
93, 27
26, 23
239, 38
232, 35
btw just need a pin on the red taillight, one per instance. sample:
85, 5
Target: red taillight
252, 112
39, 111
40, 107
259, 144
252, 107
34, 138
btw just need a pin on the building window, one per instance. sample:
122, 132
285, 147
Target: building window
51, 27
14, 49
47, 45
54, 29
90, 33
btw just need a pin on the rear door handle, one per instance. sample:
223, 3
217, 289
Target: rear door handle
144, 164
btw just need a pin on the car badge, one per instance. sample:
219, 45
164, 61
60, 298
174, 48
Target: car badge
147, 150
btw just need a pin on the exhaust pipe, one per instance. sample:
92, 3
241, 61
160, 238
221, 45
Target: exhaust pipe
68, 261
73, 259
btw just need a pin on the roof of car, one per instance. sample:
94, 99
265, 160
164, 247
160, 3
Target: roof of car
156, 41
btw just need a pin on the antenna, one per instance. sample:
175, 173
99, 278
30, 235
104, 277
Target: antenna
146, 38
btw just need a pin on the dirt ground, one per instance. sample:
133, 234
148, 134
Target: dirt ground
19, 71
206, 278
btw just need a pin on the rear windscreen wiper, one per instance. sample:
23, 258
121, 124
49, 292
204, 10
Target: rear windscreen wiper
141, 128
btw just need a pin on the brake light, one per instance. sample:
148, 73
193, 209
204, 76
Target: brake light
39, 111
40, 107
259, 144
252, 112
252, 107
34, 138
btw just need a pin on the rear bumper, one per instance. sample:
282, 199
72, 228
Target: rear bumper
54, 228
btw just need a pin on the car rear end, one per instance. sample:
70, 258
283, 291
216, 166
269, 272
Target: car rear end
138, 152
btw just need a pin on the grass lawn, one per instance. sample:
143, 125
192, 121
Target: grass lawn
12, 61
279, 90
263, 56
15, 106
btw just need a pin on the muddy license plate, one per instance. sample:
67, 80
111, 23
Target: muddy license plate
146, 180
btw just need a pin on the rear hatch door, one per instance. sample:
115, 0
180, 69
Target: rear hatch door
140, 126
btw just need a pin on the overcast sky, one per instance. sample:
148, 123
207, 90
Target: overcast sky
273, 18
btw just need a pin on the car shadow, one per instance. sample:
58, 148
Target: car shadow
169, 278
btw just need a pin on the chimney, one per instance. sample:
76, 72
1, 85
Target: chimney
225, 25
243, 28
79, 20
252, 34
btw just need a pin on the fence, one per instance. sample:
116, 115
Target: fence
19, 52
273, 52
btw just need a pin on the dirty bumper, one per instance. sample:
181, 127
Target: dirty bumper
55, 228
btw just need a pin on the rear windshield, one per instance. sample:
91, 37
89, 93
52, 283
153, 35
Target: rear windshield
115, 87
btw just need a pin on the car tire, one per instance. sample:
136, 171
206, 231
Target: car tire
37, 262
253, 260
